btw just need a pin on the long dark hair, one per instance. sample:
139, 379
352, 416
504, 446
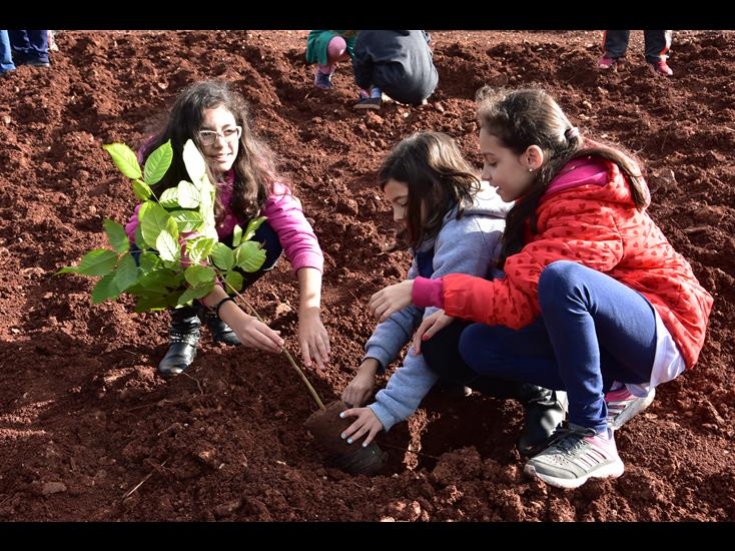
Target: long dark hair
254, 165
438, 177
526, 117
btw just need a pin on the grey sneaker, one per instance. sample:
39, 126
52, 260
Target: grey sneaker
622, 406
575, 455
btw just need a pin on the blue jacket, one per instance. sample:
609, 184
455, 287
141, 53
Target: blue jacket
468, 246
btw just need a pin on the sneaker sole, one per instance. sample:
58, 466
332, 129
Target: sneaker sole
368, 107
613, 470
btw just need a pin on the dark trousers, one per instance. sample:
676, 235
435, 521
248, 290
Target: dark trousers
441, 353
29, 46
657, 44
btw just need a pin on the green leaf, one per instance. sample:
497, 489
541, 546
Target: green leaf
199, 248
188, 220
116, 236
235, 279
142, 190
98, 262
249, 256
170, 198
195, 165
125, 160
149, 261
126, 274
158, 163
193, 293
168, 247
199, 275
223, 257
253, 226
188, 195
237, 235
104, 289
159, 282
153, 218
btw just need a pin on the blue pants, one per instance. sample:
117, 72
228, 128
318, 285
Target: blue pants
6, 57
593, 331
29, 46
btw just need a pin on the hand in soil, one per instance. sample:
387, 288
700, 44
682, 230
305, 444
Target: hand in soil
367, 425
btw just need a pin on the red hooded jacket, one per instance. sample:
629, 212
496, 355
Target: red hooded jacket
587, 215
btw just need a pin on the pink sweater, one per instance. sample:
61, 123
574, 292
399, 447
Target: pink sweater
284, 214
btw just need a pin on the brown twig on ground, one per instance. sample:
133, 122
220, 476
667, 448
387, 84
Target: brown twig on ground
139, 484
291, 360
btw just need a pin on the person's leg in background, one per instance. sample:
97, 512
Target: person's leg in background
336, 52
30, 47
657, 46
614, 46
6, 56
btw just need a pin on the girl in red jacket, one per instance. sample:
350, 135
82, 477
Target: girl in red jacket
595, 300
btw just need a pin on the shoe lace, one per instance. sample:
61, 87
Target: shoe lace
566, 439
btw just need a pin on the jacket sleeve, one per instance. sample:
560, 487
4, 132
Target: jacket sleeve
583, 232
286, 217
404, 391
409, 384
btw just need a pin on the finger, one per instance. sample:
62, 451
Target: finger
416, 348
305, 355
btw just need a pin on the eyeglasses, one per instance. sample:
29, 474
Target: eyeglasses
209, 137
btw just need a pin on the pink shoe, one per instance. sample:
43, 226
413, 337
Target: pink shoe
622, 406
662, 68
606, 62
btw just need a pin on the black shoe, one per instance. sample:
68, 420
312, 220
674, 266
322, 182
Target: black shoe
368, 103
545, 411
221, 332
184, 335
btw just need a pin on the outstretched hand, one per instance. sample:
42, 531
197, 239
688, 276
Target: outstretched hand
393, 298
313, 340
254, 333
365, 424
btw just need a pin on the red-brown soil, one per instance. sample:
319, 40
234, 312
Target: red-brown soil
89, 432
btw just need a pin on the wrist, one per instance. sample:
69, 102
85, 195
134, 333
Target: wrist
369, 366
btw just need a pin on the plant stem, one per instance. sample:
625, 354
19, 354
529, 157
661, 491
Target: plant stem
312, 390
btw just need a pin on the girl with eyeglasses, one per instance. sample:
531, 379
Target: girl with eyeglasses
242, 167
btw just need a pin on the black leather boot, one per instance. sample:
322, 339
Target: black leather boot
221, 332
184, 336
545, 411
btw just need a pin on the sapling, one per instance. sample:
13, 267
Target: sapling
177, 257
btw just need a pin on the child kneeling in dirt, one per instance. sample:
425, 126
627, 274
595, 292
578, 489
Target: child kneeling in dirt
453, 223
216, 119
398, 64
595, 300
